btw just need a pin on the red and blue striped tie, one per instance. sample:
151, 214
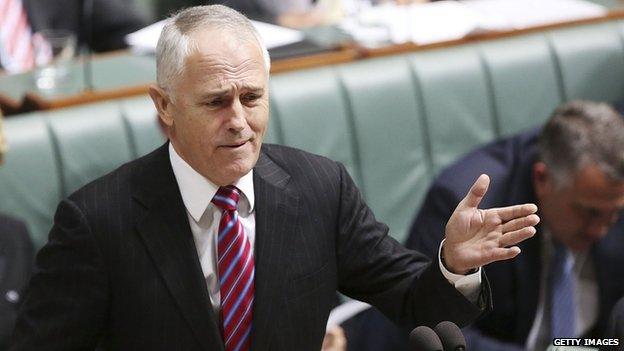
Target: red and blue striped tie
236, 273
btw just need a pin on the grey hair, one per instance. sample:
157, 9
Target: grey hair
175, 43
579, 134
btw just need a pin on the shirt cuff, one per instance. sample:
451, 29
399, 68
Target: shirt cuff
468, 285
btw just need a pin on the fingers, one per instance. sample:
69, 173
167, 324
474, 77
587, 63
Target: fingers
503, 253
516, 236
519, 223
476, 192
516, 211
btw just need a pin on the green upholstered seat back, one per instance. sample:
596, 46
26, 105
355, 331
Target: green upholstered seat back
141, 121
313, 114
92, 140
457, 101
391, 138
30, 182
524, 78
590, 59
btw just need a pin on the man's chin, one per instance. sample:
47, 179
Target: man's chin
233, 174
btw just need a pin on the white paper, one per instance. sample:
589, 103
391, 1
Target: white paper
520, 14
450, 20
442, 21
345, 311
145, 40
274, 36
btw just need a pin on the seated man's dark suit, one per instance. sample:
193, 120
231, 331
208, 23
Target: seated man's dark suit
515, 283
16, 263
112, 20
615, 328
121, 269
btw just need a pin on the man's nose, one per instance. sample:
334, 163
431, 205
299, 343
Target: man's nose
236, 120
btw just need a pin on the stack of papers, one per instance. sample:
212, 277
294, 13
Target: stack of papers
145, 40
449, 20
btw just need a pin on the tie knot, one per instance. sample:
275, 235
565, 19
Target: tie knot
226, 198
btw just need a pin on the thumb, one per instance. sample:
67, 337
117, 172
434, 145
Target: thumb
476, 192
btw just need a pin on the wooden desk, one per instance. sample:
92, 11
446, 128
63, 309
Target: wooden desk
115, 75
122, 74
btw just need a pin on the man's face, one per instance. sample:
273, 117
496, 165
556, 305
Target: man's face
219, 111
581, 213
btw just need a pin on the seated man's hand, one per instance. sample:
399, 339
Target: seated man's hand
476, 237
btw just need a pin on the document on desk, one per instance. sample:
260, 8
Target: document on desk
519, 14
450, 20
145, 40
419, 23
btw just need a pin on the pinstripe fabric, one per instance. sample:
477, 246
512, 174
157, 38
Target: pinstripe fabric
121, 270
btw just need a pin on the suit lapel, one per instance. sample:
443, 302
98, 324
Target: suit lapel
528, 277
276, 217
165, 231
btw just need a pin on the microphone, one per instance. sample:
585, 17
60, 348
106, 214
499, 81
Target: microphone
425, 339
451, 336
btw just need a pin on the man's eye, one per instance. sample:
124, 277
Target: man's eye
250, 97
215, 102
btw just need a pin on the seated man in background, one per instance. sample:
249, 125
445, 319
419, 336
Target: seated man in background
111, 20
16, 262
568, 277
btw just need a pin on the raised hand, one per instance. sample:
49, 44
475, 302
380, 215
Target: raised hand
476, 237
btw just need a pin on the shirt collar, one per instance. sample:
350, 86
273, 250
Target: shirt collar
197, 191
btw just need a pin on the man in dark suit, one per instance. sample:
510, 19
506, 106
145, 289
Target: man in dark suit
573, 168
112, 20
16, 263
103, 27
217, 242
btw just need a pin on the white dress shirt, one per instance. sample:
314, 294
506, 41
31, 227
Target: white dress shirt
585, 296
203, 216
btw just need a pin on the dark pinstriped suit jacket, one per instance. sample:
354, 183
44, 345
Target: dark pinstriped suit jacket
121, 269
16, 263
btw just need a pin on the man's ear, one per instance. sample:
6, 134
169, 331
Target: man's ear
541, 177
162, 101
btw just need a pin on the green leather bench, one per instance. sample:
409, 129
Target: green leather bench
393, 121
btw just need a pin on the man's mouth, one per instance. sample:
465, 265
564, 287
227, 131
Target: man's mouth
236, 144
